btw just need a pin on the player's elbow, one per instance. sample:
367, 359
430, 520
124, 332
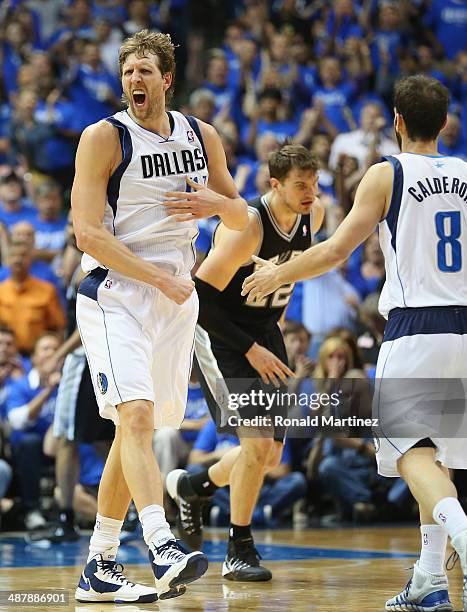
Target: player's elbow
243, 216
337, 254
85, 239
82, 239
237, 219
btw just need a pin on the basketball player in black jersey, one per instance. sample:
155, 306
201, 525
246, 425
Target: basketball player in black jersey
238, 338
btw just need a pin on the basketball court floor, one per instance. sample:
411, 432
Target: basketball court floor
351, 570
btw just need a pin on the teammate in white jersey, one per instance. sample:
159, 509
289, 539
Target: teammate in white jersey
141, 182
419, 200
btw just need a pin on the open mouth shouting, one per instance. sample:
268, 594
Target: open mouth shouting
139, 98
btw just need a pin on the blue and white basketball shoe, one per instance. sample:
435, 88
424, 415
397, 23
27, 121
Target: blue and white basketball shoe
102, 580
174, 567
424, 592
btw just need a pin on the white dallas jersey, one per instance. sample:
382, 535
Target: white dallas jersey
152, 165
424, 235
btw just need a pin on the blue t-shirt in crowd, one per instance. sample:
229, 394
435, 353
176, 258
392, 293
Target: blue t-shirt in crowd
386, 42
23, 391
196, 408
59, 151
363, 285
24, 213
50, 234
88, 92
91, 465
209, 440
235, 74
114, 15
458, 150
448, 20
341, 30
206, 228
11, 64
4, 394
280, 129
5, 118
84, 31
307, 82
335, 100
223, 96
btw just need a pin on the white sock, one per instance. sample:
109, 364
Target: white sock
156, 529
105, 538
449, 514
433, 552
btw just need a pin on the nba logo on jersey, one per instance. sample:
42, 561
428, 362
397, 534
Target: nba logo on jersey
108, 283
304, 230
190, 136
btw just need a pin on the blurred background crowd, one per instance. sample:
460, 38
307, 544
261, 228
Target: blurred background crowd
318, 72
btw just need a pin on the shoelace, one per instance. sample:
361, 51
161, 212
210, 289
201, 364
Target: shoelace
407, 589
239, 564
191, 521
245, 551
172, 550
115, 570
452, 560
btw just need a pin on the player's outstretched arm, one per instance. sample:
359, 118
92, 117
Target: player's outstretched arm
371, 203
220, 198
97, 157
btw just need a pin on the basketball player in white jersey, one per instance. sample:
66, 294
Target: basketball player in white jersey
419, 199
141, 182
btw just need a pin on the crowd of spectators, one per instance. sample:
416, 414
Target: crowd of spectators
318, 72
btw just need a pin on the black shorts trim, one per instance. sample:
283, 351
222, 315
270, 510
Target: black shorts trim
425, 443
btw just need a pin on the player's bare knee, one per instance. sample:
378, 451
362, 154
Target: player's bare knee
257, 450
136, 418
409, 464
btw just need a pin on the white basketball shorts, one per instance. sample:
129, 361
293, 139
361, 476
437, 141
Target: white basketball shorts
139, 344
420, 387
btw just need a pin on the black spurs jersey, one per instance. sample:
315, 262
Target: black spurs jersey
277, 246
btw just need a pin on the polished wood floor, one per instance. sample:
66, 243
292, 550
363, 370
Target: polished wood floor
337, 573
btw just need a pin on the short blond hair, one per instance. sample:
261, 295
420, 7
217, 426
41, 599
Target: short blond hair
156, 43
328, 347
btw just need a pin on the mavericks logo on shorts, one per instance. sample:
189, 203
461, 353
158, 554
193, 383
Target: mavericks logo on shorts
102, 383
376, 443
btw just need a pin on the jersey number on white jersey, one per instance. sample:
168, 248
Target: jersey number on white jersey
448, 230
